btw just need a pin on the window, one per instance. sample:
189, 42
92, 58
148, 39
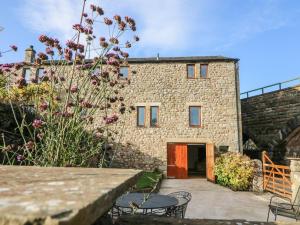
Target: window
154, 116
141, 116
123, 72
203, 70
27, 74
195, 116
40, 73
190, 70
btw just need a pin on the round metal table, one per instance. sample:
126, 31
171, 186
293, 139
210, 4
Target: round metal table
146, 202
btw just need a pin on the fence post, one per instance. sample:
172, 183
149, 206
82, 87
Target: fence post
263, 167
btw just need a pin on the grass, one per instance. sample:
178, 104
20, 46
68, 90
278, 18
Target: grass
148, 180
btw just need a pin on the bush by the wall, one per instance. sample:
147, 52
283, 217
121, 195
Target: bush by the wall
235, 171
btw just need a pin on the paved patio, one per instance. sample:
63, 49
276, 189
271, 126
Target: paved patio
211, 201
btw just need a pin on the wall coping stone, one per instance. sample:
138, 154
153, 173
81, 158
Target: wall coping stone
52, 195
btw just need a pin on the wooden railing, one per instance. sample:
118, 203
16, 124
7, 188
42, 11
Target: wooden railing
276, 178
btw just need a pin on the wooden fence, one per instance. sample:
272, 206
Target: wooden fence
276, 178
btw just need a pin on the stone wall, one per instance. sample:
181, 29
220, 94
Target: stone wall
166, 85
270, 118
295, 178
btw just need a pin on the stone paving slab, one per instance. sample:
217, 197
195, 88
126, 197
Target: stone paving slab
212, 201
154, 220
44, 195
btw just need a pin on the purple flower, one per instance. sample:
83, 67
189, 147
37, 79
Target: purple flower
20, 158
38, 123
29, 145
42, 56
74, 89
68, 54
13, 47
93, 7
100, 11
43, 38
49, 51
111, 119
108, 21
43, 106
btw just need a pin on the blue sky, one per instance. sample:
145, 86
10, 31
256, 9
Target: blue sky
263, 34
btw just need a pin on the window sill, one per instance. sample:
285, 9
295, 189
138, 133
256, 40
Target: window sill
195, 126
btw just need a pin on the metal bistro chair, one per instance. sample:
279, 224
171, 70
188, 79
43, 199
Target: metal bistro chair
183, 198
286, 207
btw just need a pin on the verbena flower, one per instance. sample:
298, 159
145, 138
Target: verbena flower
111, 119
20, 158
37, 123
14, 47
42, 56
108, 21
74, 89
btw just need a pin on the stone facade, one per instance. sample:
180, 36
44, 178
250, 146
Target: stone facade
295, 178
165, 84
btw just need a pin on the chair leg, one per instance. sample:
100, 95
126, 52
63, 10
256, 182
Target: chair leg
268, 214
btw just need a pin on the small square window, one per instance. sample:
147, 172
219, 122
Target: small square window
154, 116
27, 74
141, 116
203, 70
190, 70
123, 72
195, 116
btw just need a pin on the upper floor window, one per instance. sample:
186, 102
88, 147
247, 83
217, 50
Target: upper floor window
154, 116
190, 71
195, 116
123, 72
203, 70
40, 73
27, 74
141, 116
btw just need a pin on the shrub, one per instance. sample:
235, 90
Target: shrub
235, 171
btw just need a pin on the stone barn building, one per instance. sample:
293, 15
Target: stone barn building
187, 110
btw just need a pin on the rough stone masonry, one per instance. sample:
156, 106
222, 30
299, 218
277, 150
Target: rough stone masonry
163, 82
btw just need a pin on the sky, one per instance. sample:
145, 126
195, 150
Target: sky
263, 34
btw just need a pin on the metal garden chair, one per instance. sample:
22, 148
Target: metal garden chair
183, 198
285, 207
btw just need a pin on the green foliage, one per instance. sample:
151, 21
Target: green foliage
235, 171
3, 81
148, 180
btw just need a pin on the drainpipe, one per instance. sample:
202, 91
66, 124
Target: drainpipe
238, 108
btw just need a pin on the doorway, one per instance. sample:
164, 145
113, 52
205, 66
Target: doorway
184, 160
196, 160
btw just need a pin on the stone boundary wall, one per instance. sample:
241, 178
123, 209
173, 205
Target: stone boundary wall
269, 118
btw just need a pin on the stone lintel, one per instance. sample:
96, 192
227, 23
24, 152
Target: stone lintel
45, 195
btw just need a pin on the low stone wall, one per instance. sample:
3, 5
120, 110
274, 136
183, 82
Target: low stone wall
295, 178
257, 184
150, 220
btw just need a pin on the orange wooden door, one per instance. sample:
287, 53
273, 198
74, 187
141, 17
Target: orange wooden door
181, 161
171, 160
210, 162
177, 161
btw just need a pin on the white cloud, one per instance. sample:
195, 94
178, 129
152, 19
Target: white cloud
167, 26
50, 16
